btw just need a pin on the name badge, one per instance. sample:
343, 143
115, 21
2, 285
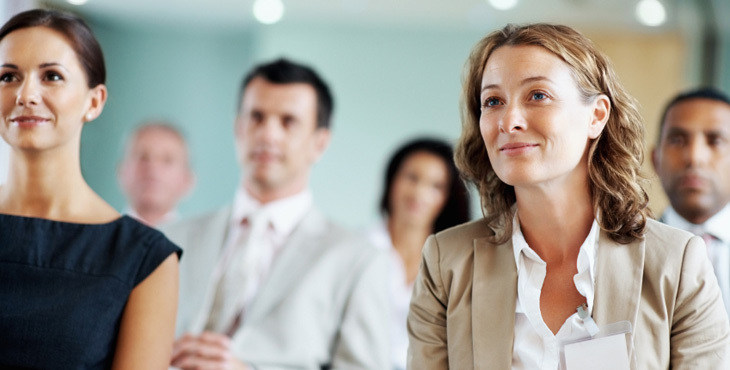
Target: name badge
606, 349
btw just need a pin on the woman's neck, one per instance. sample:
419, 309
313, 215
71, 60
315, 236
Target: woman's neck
555, 222
48, 184
407, 237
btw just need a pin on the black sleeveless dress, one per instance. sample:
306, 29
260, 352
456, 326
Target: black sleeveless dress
63, 288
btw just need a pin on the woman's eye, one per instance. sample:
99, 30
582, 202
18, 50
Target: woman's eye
53, 76
7, 77
490, 102
538, 96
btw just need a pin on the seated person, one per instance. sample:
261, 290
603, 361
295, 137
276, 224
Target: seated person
269, 282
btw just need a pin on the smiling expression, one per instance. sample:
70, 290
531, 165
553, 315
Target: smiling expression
535, 123
44, 96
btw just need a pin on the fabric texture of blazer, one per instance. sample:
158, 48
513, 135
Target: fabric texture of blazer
323, 306
462, 313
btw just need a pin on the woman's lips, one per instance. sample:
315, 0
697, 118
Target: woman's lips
29, 121
517, 148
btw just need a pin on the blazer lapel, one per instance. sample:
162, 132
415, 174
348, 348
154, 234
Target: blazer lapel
494, 293
619, 275
304, 246
212, 242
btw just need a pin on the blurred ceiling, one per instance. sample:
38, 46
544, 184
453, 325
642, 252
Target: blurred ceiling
478, 14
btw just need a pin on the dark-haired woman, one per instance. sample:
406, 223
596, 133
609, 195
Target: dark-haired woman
422, 195
567, 251
82, 287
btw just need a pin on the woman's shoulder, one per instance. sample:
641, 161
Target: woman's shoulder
455, 246
667, 249
465, 233
144, 247
664, 237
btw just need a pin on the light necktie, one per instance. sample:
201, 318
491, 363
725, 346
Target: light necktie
240, 275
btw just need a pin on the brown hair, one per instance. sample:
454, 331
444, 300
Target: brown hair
79, 35
614, 158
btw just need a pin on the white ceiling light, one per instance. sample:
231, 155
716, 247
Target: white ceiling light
503, 4
77, 2
268, 11
651, 12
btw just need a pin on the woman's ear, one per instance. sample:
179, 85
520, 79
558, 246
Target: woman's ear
97, 96
601, 112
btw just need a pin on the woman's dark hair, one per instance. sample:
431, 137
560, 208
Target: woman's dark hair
456, 208
76, 31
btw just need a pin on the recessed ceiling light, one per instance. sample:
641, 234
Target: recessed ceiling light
503, 4
651, 12
268, 11
77, 2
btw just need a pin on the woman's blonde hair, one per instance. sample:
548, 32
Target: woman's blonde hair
614, 158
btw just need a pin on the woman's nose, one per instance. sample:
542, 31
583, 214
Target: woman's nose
513, 119
28, 93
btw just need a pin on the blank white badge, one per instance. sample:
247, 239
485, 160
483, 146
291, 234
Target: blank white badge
605, 353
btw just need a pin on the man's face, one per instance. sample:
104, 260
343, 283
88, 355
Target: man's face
155, 172
277, 138
693, 158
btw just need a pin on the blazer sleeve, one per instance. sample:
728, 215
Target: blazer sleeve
427, 315
700, 335
364, 337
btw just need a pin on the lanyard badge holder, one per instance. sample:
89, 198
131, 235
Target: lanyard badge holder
605, 348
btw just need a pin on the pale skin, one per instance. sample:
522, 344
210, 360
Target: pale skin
155, 174
537, 128
278, 142
418, 195
45, 101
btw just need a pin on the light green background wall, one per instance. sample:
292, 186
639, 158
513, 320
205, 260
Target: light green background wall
389, 84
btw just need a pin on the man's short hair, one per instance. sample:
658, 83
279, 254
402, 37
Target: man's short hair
283, 71
709, 93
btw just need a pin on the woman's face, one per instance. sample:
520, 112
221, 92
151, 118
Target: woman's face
535, 124
419, 190
44, 95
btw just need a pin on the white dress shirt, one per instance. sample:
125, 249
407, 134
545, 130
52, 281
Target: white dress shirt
535, 345
400, 294
718, 249
283, 216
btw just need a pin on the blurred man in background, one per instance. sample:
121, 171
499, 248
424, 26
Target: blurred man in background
155, 173
268, 282
692, 159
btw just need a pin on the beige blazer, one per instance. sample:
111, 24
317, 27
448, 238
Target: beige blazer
324, 303
463, 307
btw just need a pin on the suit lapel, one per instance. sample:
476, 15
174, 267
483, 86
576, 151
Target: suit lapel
619, 275
494, 293
304, 246
212, 244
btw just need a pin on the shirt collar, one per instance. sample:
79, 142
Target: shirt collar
586, 256
717, 225
284, 214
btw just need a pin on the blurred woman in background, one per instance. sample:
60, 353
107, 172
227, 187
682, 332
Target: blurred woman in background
82, 287
422, 195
